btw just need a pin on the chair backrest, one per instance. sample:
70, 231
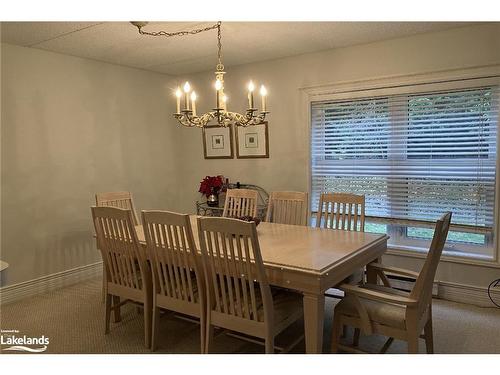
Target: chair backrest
120, 248
341, 211
287, 207
234, 269
172, 251
422, 290
120, 199
240, 202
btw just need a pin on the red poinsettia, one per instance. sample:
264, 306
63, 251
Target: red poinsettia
211, 185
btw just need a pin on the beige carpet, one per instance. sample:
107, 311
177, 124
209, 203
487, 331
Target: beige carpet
73, 319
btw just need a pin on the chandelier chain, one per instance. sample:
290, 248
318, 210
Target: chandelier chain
179, 33
220, 66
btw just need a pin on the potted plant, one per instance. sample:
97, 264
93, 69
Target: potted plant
211, 186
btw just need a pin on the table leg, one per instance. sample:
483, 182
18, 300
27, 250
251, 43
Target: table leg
116, 305
314, 316
371, 276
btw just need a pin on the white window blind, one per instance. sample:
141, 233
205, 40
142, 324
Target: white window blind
414, 156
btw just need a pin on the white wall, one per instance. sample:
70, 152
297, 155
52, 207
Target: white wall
72, 127
287, 167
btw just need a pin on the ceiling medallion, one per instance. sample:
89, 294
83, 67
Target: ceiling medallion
186, 99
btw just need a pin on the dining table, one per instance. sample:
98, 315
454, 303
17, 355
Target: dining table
310, 261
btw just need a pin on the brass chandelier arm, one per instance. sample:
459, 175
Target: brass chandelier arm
188, 120
224, 118
244, 120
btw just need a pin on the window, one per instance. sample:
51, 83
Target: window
414, 156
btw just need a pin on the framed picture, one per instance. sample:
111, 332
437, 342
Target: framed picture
218, 142
252, 141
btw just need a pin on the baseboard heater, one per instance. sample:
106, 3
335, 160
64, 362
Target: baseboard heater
406, 284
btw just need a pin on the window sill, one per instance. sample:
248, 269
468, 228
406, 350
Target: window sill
448, 256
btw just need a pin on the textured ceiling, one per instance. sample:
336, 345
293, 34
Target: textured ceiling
243, 42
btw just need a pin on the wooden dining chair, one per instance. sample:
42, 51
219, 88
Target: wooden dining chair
178, 280
288, 207
127, 274
341, 211
239, 297
380, 309
240, 202
120, 199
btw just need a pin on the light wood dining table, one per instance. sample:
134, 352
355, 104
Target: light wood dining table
310, 261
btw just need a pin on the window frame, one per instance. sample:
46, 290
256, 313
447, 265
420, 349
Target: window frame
407, 85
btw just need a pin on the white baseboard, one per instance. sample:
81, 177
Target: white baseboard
48, 283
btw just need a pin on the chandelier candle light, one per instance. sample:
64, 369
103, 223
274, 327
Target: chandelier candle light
187, 115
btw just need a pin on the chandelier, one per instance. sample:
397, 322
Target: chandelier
186, 98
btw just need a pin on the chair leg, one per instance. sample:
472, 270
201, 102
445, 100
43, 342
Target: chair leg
413, 344
203, 332
269, 346
156, 328
116, 308
336, 331
107, 318
344, 331
269, 343
429, 342
147, 323
386, 346
103, 284
209, 337
355, 338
